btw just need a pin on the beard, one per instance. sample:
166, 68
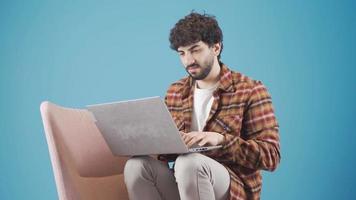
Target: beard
201, 70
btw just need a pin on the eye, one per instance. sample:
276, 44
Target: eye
195, 50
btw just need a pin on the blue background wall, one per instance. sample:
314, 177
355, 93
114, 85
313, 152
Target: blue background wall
76, 53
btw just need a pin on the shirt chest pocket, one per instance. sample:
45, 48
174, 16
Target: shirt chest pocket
228, 123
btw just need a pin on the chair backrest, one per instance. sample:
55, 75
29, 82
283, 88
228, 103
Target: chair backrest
77, 147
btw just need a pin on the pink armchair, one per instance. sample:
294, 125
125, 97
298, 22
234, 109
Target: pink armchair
83, 165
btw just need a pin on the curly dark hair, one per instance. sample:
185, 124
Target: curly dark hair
196, 27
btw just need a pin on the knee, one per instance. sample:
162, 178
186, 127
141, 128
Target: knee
134, 167
188, 163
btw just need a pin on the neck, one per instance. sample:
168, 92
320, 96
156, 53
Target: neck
212, 78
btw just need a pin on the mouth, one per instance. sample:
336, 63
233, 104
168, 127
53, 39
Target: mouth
193, 69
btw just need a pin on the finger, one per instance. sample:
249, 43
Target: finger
188, 136
194, 134
195, 140
203, 142
188, 139
182, 133
193, 137
192, 142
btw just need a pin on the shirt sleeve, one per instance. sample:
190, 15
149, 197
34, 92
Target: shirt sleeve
257, 147
167, 157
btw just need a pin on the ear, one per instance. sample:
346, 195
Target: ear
217, 48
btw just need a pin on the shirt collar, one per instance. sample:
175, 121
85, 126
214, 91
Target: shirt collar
225, 81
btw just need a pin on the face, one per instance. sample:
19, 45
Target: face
198, 59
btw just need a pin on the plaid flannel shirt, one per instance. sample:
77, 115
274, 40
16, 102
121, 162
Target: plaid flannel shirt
242, 111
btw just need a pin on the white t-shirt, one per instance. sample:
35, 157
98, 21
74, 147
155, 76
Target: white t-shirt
203, 100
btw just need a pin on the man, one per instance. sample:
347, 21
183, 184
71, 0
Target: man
212, 106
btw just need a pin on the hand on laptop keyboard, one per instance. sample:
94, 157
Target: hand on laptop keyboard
202, 138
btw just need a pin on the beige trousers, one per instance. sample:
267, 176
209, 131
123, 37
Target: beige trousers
195, 177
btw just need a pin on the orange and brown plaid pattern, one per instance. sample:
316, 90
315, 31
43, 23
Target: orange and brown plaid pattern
242, 111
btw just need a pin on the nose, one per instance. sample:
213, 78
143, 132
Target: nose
188, 59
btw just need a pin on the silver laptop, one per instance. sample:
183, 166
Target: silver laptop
140, 127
